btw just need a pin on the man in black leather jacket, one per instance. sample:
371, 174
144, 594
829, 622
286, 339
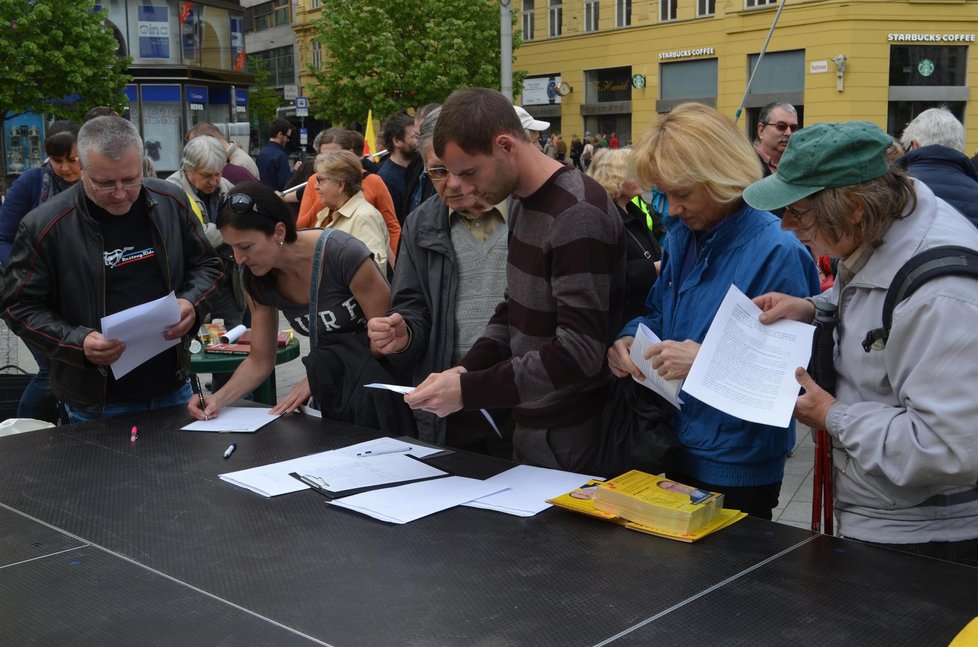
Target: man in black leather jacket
112, 241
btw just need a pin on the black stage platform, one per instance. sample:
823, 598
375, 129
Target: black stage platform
107, 542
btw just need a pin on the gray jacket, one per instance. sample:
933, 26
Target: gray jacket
904, 426
423, 292
210, 228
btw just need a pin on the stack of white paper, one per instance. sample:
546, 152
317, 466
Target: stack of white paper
527, 489
406, 503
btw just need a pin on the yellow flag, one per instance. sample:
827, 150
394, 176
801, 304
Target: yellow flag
369, 136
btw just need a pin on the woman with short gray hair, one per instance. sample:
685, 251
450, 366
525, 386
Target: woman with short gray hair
200, 178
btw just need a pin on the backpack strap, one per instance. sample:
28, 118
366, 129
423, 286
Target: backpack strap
929, 264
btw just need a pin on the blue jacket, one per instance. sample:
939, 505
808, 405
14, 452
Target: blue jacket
752, 252
273, 166
948, 173
21, 198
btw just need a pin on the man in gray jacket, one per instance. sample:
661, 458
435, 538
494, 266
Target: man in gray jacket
450, 276
112, 241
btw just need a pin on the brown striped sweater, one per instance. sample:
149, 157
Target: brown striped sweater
543, 351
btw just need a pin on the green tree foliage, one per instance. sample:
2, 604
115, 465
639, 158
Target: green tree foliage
55, 49
388, 55
262, 97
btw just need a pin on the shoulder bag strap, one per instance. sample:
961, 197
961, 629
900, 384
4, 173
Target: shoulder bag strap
314, 284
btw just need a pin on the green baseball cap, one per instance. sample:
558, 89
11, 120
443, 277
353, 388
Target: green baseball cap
823, 156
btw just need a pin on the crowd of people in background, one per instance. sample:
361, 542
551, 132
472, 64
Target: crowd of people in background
496, 265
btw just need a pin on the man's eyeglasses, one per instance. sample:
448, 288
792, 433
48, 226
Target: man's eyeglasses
437, 173
112, 187
782, 126
239, 203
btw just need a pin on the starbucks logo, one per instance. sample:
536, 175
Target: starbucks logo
925, 67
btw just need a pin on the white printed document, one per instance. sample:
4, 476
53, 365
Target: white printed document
746, 368
405, 503
234, 419
528, 488
141, 328
668, 389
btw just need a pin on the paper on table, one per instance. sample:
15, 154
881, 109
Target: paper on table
528, 489
338, 472
141, 328
234, 334
234, 419
404, 390
668, 389
746, 368
274, 480
405, 503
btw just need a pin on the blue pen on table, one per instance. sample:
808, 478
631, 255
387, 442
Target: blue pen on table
378, 452
195, 385
230, 450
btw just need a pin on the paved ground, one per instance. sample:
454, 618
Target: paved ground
796, 490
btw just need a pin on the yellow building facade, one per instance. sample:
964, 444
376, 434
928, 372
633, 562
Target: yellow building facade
613, 65
307, 51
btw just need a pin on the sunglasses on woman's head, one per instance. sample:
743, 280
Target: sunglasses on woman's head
239, 203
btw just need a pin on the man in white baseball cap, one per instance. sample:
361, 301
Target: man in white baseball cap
533, 126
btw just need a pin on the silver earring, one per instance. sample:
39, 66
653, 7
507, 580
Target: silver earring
281, 243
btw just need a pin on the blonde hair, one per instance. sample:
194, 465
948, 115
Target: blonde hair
612, 167
696, 146
341, 166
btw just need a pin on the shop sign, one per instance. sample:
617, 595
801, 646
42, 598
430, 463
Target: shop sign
687, 53
930, 38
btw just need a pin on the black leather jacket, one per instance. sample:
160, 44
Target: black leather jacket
54, 284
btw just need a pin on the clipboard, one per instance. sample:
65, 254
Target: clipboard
322, 488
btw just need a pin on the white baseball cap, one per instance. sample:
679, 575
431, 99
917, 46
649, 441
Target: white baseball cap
529, 123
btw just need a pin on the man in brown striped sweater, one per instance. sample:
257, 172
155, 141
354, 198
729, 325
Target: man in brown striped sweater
543, 350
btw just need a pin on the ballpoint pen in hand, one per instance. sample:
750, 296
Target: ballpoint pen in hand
195, 385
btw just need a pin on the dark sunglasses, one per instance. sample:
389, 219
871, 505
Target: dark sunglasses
782, 126
239, 203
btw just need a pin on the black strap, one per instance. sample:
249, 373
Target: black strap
930, 264
646, 253
314, 285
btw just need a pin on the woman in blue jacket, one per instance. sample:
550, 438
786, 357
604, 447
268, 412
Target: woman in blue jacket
34, 187
702, 163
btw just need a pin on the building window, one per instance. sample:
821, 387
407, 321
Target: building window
926, 76
667, 10
556, 18
750, 4
280, 63
528, 20
623, 13
315, 4
608, 85
590, 15
267, 15
706, 8
317, 54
